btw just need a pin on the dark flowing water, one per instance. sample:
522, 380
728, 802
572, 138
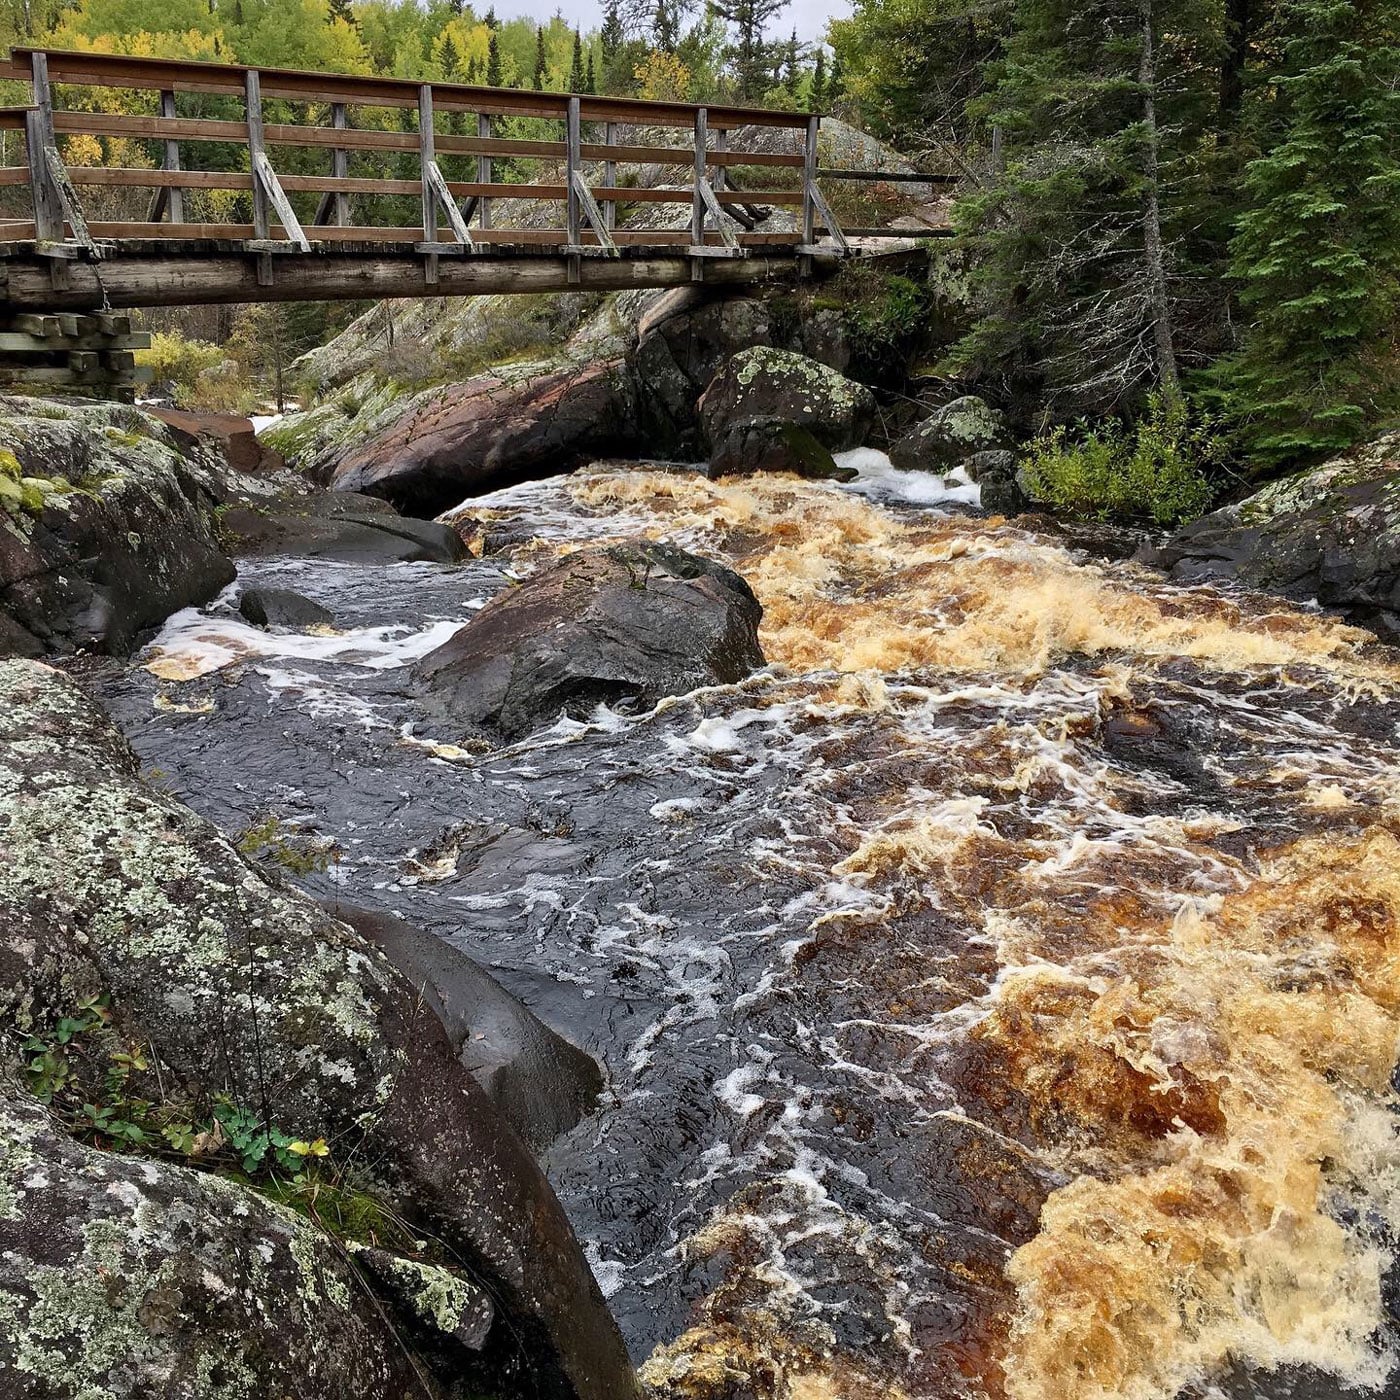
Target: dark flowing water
998, 995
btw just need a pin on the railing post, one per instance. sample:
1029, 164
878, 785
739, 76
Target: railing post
809, 181
252, 94
697, 207
721, 171
340, 166
173, 195
573, 148
427, 153
39, 137
610, 176
483, 169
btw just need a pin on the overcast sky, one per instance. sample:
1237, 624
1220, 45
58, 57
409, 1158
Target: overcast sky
810, 16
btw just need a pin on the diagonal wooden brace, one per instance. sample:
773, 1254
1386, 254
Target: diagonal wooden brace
437, 183
271, 186
827, 217
716, 213
594, 214
58, 173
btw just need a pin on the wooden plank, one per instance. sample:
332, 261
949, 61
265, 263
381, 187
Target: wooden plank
14, 175
266, 177
609, 172
893, 177
39, 136
809, 180
443, 196
17, 342
589, 206
821, 207
30, 323
697, 204
170, 199
573, 140
340, 166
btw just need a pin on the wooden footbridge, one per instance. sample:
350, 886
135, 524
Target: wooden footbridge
219, 201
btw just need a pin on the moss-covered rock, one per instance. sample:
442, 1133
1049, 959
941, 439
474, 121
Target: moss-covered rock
239, 987
951, 435
106, 526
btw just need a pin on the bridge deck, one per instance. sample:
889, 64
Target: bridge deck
220, 201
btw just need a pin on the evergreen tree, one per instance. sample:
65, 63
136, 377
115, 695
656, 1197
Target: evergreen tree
1317, 255
836, 81
816, 94
340, 9
449, 59
576, 74
590, 80
541, 60
1079, 239
493, 62
666, 25
751, 56
792, 64
612, 34
491, 22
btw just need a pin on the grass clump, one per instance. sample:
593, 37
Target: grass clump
1157, 470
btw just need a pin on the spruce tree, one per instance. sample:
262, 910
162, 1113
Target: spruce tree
792, 64
1317, 253
493, 62
449, 59
340, 9
541, 60
750, 55
1079, 238
666, 25
590, 79
576, 75
816, 94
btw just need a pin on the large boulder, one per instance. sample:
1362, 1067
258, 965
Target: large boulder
635, 621
950, 435
106, 527
1331, 534
242, 993
231, 435
763, 384
458, 440
770, 445
541, 1084
344, 527
139, 1279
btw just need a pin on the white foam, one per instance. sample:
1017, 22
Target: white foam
881, 480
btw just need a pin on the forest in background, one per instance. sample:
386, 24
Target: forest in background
1180, 218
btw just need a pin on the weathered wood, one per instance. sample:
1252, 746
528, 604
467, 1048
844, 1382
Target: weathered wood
483, 170
253, 98
593, 214
443, 196
573, 141
809, 180
266, 177
340, 165
892, 177
38, 137
31, 323
19, 342
697, 206
609, 173
174, 195
230, 278
822, 208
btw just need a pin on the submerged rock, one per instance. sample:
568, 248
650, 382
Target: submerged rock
635, 621
106, 527
282, 607
237, 988
951, 435
541, 1084
768, 385
1330, 534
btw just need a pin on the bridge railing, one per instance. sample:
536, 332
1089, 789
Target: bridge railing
585, 140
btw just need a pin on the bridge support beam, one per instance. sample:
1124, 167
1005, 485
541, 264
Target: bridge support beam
219, 277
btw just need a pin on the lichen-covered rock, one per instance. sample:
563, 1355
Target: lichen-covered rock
242, 988
632, 622
995, 472
106, 527
951, 435
772, 445
130, 1279
1331, 534
778, 385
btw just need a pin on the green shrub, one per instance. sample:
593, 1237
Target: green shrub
1155, 470
176, 362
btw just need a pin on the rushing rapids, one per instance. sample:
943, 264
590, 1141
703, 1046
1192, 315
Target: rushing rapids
999, 994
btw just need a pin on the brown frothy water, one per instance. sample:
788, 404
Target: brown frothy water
1133, 846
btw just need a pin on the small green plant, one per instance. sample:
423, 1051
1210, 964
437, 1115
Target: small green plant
275, 840
1155, 470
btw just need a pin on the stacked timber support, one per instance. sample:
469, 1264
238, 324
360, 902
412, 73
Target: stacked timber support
93, 355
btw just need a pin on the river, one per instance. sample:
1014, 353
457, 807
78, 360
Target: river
998, 994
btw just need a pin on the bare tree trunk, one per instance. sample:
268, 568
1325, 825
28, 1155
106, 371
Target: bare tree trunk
1167, 377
